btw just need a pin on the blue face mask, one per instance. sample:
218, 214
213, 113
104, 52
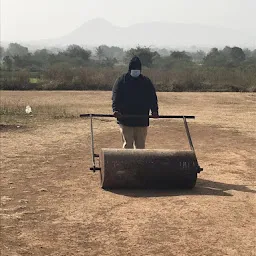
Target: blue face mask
135, 73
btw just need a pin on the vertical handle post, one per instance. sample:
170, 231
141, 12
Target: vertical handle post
188, 134
92, 144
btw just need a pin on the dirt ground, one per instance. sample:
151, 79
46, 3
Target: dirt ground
51, 204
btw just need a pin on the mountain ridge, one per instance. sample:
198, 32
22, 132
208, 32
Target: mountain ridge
157, 34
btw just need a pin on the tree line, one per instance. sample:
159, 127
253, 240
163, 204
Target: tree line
17, 56
78, 68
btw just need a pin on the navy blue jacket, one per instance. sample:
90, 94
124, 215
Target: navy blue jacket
134, 96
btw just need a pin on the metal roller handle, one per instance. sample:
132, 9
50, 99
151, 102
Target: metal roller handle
137, 116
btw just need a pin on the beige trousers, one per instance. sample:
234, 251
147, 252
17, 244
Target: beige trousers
133, 137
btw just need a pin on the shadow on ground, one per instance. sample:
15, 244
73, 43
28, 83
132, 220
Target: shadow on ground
203, 187
11, 127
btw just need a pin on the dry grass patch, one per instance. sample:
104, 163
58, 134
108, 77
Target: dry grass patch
52, 204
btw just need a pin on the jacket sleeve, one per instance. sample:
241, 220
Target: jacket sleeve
116, 95
153, 98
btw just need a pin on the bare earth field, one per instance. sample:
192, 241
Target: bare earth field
51, 204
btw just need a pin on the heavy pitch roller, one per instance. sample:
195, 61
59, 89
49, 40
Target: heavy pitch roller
144, 168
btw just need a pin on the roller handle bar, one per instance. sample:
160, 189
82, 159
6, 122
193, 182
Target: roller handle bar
137, 116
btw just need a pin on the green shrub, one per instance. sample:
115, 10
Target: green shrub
62, 76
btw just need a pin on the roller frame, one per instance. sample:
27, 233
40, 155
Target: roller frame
94, 168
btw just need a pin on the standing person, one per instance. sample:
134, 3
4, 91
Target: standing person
134, 94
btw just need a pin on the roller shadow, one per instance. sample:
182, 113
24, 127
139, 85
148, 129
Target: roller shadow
203, 187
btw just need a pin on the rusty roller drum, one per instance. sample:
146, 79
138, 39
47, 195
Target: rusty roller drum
132, 168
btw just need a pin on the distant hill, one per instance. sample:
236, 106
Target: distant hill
100, 31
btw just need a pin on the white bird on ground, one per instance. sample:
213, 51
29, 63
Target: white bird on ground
28, 110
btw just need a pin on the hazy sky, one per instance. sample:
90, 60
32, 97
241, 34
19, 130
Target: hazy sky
24, 20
